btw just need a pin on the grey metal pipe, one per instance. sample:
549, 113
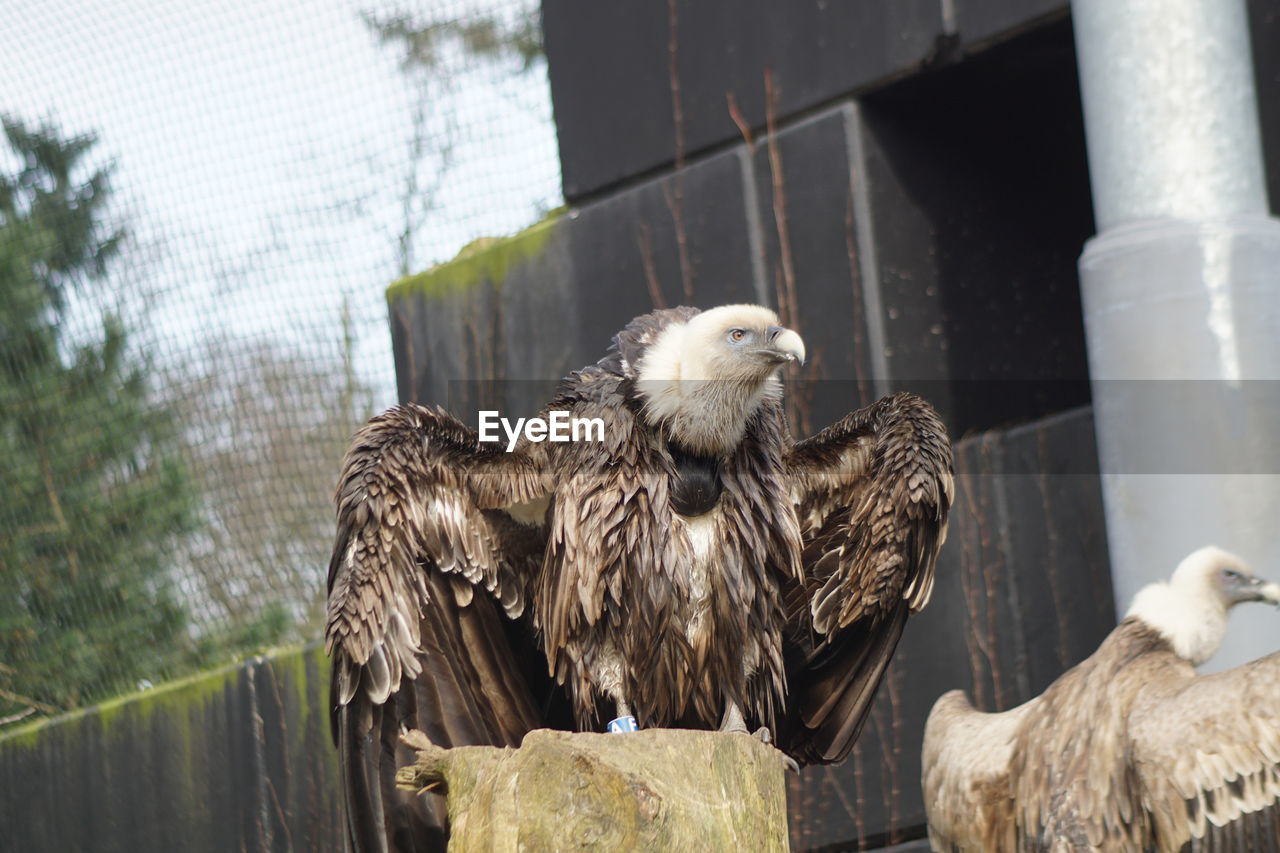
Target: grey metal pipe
1170, 110
1182, 283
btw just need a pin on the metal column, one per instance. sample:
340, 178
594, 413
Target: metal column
1181, 284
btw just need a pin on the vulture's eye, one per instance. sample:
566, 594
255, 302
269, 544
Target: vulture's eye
737, 335
1232, 575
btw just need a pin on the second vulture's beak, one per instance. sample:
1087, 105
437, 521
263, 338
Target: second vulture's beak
785, 345
1251, 588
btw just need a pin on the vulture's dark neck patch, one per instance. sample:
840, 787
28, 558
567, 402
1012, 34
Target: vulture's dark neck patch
696, 486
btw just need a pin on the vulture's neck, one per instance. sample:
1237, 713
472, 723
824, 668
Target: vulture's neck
703, 414
706, 417
1193, 621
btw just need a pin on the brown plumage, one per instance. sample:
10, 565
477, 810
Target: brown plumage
695, 568
1130, 750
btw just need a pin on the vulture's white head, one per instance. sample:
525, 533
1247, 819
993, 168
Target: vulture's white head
1190, 610
703, 379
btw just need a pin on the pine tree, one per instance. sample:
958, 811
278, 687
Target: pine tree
93, 491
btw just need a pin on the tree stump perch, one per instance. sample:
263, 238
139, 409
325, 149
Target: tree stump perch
658, 789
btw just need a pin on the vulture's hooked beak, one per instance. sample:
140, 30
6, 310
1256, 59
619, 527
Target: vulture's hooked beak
784, 345
1258, 589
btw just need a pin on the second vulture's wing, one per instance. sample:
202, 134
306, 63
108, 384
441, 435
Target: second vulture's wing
1207, 756
426, 624
872, 493
965, 774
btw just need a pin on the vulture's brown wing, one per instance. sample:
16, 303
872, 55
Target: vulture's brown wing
426, 621
872, 493
965, 775
1207, 758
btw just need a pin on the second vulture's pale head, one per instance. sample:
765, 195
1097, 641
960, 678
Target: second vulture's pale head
704, 378
1220, 576
1191, 609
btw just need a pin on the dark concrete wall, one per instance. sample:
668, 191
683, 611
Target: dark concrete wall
236, 759
639, 85
927, 232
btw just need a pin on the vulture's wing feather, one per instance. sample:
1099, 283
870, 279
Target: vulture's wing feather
1207, 756
965, 762
427, 586
872, 493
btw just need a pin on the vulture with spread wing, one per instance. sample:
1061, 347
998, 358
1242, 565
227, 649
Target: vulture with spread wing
694, 568
1130, 750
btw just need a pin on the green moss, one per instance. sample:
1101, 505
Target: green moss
486, 259
179, 695
302, 673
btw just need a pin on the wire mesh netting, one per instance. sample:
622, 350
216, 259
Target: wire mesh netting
201, 205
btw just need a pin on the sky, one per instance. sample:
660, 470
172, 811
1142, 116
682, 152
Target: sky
260, 149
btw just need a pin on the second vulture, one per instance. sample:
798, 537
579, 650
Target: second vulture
1130, 750
694, 568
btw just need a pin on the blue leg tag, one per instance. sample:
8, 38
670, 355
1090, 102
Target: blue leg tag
622, 724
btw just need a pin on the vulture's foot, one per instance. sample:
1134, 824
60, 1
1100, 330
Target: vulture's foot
624, 721
763, 735
733, 721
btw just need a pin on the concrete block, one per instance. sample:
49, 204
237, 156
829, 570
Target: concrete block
619, 70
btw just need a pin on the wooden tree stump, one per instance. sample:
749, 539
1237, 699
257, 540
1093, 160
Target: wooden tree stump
659, 789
